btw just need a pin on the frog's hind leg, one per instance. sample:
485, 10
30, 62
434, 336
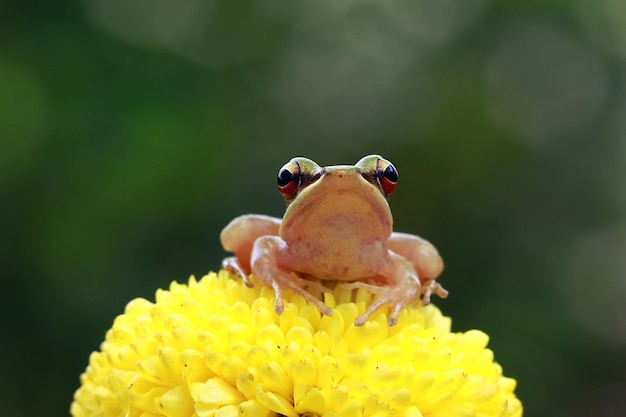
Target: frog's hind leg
420, 252
264, 265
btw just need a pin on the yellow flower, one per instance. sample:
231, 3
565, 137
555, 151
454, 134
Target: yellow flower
216, 348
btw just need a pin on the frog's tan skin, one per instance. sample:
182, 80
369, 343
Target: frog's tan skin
337, 226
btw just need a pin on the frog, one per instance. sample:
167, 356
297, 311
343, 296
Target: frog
337, 227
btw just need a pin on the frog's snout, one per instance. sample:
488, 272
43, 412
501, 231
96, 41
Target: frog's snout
341, 171
344, 177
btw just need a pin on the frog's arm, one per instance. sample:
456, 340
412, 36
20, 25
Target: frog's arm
267, 254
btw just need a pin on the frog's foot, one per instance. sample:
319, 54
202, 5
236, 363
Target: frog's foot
281, 279
232, 264
297, 284
397, 297
432, 287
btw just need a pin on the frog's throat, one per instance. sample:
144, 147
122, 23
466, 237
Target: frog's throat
344, 213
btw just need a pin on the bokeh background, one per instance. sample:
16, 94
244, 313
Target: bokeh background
132, 131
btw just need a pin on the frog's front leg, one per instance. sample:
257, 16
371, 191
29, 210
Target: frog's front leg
239, 237
265, 262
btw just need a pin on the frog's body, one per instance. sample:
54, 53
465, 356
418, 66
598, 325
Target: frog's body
337, 226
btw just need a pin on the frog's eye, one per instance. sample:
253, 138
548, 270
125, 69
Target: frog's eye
296, 174
380, 172
387, 176
288, 179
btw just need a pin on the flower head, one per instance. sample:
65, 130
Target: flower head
216, 348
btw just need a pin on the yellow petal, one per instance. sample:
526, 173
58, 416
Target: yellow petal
275, 379
176, 403
309, 400
276, 403
253, 408
216, 391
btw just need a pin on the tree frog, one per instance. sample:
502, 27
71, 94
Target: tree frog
337, 226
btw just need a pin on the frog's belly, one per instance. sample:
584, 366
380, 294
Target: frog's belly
342, 260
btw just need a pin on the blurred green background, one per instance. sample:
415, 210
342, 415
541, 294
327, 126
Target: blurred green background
132, 131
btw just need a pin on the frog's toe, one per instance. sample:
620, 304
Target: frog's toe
371, 288
279, 307
393, 317
371, 309
297, 284
309, 283
397, 297
433, 287
323, 308
232, 264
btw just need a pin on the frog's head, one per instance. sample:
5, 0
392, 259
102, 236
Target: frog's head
301, 175
337, 202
